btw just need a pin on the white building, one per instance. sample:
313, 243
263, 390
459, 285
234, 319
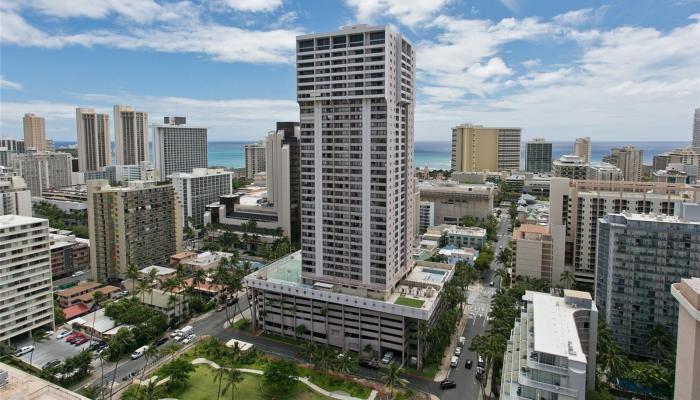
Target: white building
94, 150
15, 197
25, 266
131, 135
551, 353
199, 188
570, 166
178, 147
465, 236
43, 170
603, 171
254, 159
426, 215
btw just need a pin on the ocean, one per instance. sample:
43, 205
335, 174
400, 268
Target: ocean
436, 154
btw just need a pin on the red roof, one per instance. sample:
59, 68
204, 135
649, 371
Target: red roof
203, 287
76, 310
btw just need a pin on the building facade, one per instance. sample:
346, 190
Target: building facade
131, 135
479, 148
639, 257
68, 254
687, 385
466, 236
603, 172
25, 265
696, 129
629, 159
43, 170
452, 200
551, 353
94, 150
538, 252
426, 216
570, 166
34, 132
254, 159
538, 156
199, 188
578, 205
582, 148
15, 197
138, 224
12, 145
178, 147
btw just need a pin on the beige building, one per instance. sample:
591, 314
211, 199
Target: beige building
479, 148
131, 135
628, 159
93, 139
43, 170
603, 172
582, 148
254, 159
687, 386
34, 132
25, 268
452, 200
138, 224
538, 252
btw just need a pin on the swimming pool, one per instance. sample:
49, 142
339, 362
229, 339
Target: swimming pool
433, 275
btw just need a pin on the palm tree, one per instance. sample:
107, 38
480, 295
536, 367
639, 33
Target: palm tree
504, 275
346, 363
120, 342
199, 277
143, 287
658, 339
222, 276
38, 335
391, 377
233, 378
132, 273
567, 279
368, 349
149, 355
97, 298
421, 334
219, 376
308, 352
505, 257
102, 357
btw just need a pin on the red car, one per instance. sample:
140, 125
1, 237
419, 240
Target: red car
81, 341
77, 337
72, 336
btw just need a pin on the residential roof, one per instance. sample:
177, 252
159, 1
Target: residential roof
183, 255
533, 228
75, 310
159, 270
555, 328
80, 287
7, 221
106, 290
102, 323
204, 287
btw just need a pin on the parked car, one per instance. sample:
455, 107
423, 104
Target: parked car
453, 361
448, 384
139, 352
480, 362
388, 356
51, 364
491, 283
63, 334
232, 301
96, 345
24, 350
49, 333
130, 376
220, 307
371, 364
160, 341
458, 351
81, 341
462, 341
189, 338
468, 364
77, 274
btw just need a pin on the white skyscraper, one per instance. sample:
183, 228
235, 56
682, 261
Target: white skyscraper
93, 139
131, 135
178, 147
356, 156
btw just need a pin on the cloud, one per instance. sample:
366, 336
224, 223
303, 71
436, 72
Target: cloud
582, 16
532, 63
512, 5
6, 84
220, 42
141, 11
408, 12
254, 5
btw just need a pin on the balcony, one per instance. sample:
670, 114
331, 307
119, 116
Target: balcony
525, 381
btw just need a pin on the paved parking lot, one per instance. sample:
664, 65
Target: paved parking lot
49, 349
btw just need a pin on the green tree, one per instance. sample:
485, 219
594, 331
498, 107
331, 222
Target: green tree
504, 275
611, 362
659, 339
300, 330
132, 273
567, 279
97, 298
178, 370
280, 376
346, 363
391, 377
59, 317
422, 332
368, 349
122, 340
150, 354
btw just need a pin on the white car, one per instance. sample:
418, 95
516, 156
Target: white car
77, 274
189, 338
458, 351
63, 334
49, 333
24, 350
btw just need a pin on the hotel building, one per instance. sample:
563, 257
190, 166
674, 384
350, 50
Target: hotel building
477, 148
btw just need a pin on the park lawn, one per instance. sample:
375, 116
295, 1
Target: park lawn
201, 386
427, 372
332, 383
406, 301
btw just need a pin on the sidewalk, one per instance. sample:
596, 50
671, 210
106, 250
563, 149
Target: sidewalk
445, 364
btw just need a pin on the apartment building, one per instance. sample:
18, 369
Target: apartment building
685, 156
68, 297
34, 132
538, 252
199, 188
452, 200
603, 171
570, 166
687, 385
551, 353
639, 257
25, 265
139, 224
68, 253
479, 148
94, 150
426, 215
43, 170
629, 159
12, 145
15, 197
465, 236
131, 135
538, 156
578, 205
254, 159
582, 148
178, 147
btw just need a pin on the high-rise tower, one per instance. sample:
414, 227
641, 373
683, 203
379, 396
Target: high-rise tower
34, 132
696, 130
356, 96
131, 135
93, 139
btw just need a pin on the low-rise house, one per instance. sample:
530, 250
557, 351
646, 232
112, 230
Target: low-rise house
68, 297
165, 302
162, 273
108, 291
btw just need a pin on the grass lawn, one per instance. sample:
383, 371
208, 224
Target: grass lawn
427, 372
406, 301
332, 384
284, 339
201, 386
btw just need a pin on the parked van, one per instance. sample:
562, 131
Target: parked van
139, 352
186, 331
480, 363
453, 361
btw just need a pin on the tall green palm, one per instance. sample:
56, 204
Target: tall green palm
199, 277
102, 356
222, 277
132, 273
659, 339
368, 349
150, 354
391, 377
38, 335
97, 298
120, 342
233, 377
347, 363
170, 350
308, 352
567, 279
422, 332
152, 278
505, 257
504, 275
143, 286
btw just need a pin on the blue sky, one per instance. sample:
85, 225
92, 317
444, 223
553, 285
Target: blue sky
613, 70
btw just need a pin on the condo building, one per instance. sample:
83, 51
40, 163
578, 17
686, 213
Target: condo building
254, 159
538, 156
15, 197
131, 135
452, 200
551, 353
629, 159
603, 171
12, 145
25, 265
538, 252
34, 132
582, 148
197, 189
687, 294
685, 156
478, 148
639, 257
139, 224
68, 253
426, 216
178, 147
570, 166
43, 170
578, 205
94, 150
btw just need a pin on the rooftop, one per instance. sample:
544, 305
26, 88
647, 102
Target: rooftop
453, 186
80, 287
7, 221
102, 323
653, 217
555, 328
106, 290
22, 385
75, 310
466, 230
160, 271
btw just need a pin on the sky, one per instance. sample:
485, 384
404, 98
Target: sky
611, 70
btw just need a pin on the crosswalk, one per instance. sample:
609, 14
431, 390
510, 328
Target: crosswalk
479, 310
